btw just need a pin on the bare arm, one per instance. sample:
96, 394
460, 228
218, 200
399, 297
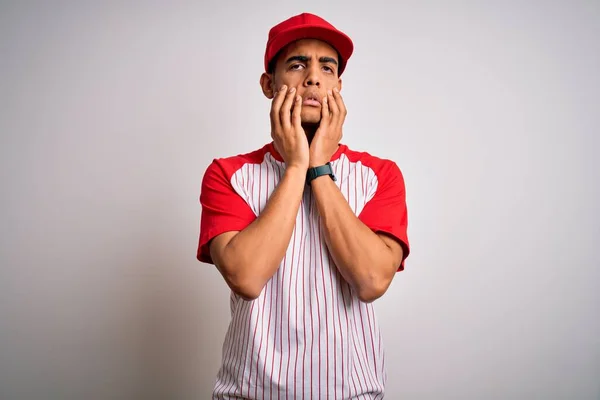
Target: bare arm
366, 260
248, 259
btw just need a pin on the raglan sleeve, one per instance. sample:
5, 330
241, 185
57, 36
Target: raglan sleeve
222, 208
386, 211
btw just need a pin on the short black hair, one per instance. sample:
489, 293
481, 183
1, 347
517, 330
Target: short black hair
273, 62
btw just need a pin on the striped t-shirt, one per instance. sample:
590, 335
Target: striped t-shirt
307, 336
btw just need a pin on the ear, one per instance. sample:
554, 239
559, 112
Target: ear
339, 84
267, 85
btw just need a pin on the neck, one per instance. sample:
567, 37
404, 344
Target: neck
310, 130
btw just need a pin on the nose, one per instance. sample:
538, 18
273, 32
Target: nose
312, 76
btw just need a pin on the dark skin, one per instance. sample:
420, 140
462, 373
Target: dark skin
306, 68
307, 114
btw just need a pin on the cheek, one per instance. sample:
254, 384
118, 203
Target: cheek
291, 80
331, 83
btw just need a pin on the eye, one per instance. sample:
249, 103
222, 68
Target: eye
296, 67
328, 69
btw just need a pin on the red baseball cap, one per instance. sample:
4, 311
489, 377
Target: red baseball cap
308, 26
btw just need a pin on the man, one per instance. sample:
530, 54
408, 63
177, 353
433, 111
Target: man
306, 232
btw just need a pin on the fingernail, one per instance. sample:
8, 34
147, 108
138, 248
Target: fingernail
336, 90
283, 88
329, 92
324, 99
292, 90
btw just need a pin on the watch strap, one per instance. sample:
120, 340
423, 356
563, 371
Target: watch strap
321, 170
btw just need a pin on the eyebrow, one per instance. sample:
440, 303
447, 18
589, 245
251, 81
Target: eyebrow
323, 60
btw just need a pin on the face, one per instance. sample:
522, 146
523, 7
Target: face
309, 65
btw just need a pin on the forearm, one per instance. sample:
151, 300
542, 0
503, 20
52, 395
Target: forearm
362, 257
253, 255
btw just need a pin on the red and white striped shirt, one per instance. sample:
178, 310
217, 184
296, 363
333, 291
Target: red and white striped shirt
307, 336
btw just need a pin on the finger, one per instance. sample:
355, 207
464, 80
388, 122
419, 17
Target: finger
340, 103
296, 119
276, 106
285, 115
325, 113
335, 111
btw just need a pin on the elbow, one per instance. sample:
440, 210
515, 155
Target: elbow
247, 294
247, 288
246, 285
369, 296
240, 280
373, 290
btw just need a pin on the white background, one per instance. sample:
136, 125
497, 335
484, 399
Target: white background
109, 115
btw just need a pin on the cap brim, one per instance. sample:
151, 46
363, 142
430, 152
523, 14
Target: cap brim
336, 39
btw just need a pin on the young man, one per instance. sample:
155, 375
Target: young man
307, 234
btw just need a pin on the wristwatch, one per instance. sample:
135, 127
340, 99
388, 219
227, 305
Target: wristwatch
321, 170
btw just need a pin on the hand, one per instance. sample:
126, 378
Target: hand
328, 135
286, 129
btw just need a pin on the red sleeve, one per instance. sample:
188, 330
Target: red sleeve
386, 211
223, 209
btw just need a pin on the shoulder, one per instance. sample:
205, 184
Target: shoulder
382, 167
227, 166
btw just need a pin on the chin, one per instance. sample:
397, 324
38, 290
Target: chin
310, 117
